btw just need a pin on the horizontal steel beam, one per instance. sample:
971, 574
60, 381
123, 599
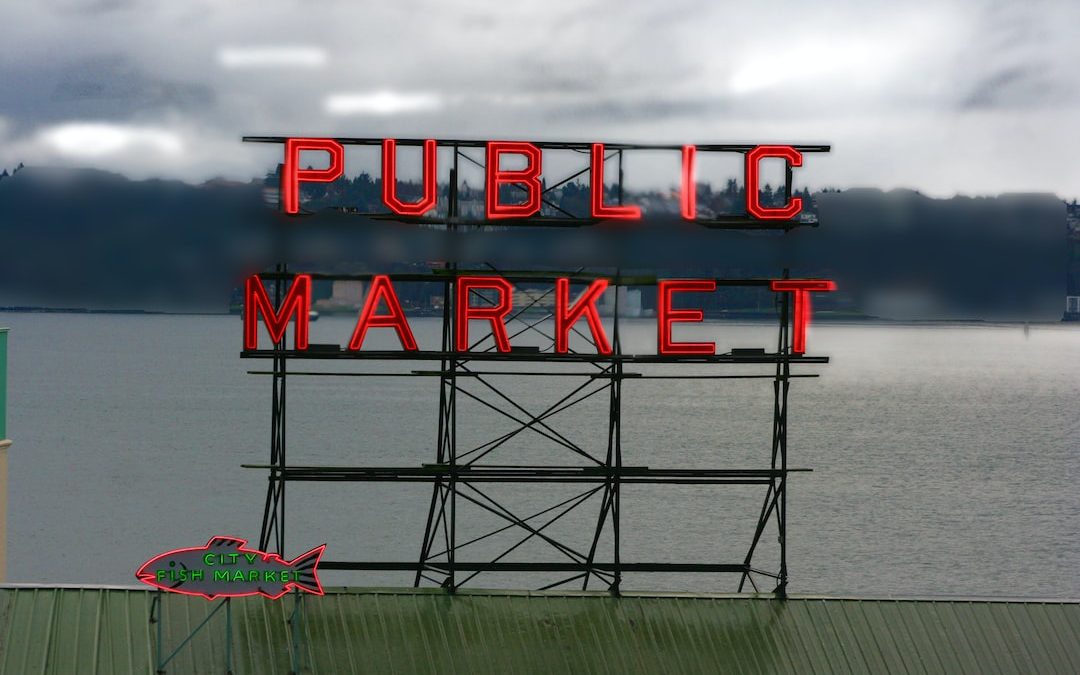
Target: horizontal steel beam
538, 567
547, 276
534, 373
328, 352
550, 145
511, 474
723, 222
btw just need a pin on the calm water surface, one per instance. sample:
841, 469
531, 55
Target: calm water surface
945, 458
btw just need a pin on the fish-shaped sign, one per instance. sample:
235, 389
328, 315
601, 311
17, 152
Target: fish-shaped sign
226, 568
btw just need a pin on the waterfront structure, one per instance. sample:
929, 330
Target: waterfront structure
461, 473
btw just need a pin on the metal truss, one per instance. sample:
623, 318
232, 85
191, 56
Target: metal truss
462, 474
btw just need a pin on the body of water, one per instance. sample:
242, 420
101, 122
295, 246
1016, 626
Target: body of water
945, 458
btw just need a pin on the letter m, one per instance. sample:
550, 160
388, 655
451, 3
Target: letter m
297, 302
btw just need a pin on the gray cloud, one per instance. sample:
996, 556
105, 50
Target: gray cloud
91, 6
113, 86
647, 110
951, 96
1017, 85
110, 86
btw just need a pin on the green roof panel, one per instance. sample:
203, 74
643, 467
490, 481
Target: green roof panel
108, 630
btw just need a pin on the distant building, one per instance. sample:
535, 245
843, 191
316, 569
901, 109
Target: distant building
347, 295
533, 299
629, 300
271, 196
1072, 307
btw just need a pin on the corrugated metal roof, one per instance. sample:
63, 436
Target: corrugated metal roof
97, 630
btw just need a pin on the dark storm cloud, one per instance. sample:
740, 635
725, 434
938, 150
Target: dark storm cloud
1018, 59
551, 73
648, 110
1018, 85
116, 83
110, 87
114, 87
91, 6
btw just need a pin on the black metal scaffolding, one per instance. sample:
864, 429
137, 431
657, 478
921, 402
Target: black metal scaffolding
460, 473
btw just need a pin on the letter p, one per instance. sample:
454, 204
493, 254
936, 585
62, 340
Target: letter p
292, 175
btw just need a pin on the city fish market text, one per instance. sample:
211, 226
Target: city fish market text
226, 568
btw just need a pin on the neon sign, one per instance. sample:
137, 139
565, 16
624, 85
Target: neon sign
297, 304
528, 179
383, 309
525, 185
226, 568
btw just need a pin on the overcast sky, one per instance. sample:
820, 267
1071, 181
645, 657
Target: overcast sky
944, 96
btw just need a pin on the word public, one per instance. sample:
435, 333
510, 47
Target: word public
382, 309
528, 179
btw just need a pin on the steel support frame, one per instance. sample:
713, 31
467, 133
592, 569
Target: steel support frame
457, 472
157, 618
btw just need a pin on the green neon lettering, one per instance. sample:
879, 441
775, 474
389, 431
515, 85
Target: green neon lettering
208, 559
221, 575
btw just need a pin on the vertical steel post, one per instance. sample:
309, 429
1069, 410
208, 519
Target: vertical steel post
228, 637
281, 413
273, 525
615, 424
446, 448
451, 581
295, 626
783, 373
155, 605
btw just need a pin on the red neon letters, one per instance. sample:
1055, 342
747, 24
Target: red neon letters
566, 316
688, 194
292, 175
495, 313
665, 315
389, 178
297, 302
801, 288
596, 188
382, 289
753, 200
528, 178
